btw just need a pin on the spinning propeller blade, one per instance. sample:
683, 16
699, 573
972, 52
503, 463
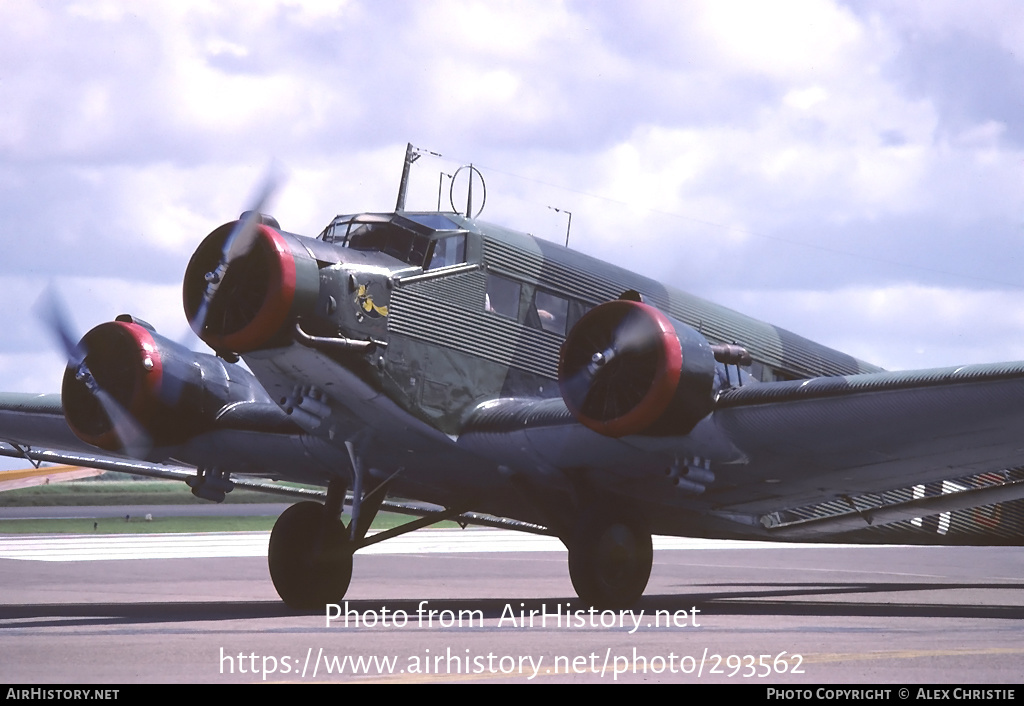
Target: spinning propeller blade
134, 440
237, 245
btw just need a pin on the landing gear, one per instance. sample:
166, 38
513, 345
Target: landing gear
310, 557
610, 562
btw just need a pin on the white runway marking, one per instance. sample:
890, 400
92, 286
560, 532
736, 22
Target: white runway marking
254, 544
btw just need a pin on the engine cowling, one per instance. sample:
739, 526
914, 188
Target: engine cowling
172, 393
627, 368
261, 292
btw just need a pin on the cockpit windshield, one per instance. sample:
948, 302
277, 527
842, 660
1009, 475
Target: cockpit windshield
399, 243
412, 239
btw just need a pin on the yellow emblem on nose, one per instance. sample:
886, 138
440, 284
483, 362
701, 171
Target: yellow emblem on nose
366, 303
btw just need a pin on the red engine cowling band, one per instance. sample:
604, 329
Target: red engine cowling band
260, 294
124, 359
627, 368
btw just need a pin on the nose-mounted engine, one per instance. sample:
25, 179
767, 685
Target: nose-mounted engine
245, 285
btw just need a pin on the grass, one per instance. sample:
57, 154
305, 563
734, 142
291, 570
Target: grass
92, 492
139, 525
114, 525
99, 492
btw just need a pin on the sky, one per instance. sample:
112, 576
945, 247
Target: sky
851, 171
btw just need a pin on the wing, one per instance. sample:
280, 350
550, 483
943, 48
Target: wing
867, 444
32, 427
240, 439
36, 420
808, 440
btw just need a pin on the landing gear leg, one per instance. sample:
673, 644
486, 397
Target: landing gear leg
610, 562
310, 556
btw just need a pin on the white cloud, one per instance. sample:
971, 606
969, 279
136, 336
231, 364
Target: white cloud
787, 40
695, 142
899, 327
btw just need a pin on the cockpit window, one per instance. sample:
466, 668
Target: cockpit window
416, 239
397, 242
366, 237
338, 230
448, 251
434, 221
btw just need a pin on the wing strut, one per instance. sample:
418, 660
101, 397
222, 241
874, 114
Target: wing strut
23, 452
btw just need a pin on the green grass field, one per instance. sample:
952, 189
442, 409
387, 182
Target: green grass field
86, 493
138, 525
121, 492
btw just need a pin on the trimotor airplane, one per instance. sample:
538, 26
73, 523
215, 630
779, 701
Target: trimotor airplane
489, 376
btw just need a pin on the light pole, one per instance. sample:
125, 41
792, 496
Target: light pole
568, 225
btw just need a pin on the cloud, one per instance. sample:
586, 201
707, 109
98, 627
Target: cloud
820, 147
899, 327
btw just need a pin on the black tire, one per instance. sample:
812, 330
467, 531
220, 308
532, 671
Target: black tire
310, 563
610, 562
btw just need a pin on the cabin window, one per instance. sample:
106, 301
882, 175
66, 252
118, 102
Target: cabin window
552, 311
502, 295
576, 311
448, 251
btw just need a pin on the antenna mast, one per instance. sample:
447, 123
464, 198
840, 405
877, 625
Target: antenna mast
411, 155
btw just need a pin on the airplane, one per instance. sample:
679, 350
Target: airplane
450, 368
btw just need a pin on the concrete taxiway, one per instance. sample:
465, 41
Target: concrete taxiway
452, 605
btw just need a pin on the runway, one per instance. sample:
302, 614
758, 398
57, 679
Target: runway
254, 544
455, 605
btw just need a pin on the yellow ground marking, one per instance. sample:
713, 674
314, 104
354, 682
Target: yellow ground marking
12, 480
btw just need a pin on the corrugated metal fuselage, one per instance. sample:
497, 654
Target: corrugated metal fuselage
450, 351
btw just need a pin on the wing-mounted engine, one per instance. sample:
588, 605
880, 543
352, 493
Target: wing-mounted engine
246, 284
172, 393
627, 368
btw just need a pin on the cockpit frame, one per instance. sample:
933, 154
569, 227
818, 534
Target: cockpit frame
426, 241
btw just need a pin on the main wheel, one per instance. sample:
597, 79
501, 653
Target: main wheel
310, 558
610, 563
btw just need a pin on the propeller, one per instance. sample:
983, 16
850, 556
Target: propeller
620, 367
133, 439
617, 366
614, 367
237, 245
